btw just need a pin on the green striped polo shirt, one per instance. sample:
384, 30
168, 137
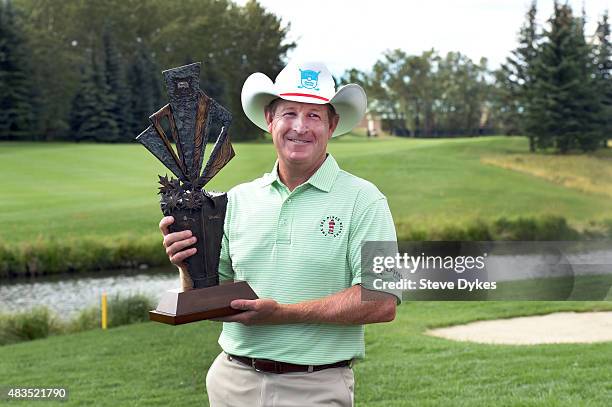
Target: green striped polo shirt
300, 245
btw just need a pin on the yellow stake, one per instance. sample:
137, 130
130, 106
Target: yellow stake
104, 315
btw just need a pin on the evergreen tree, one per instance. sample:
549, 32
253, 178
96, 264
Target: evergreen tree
211, 81
603, 62
516, 76
562, 110
83, 107
16, 92
144, 85
103, 125
91, 116
156, 82
119, 103
141, 94
587, 100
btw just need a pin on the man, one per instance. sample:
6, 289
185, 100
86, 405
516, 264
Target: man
295, 236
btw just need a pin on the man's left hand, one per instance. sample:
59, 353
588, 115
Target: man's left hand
260, 311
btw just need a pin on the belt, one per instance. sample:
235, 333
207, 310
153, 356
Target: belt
272, 366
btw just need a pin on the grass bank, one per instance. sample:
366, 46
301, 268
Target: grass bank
96, 253
41, 323
152, 364
88, 253
586, 173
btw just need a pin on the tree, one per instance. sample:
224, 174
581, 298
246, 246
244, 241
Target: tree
83, 106
515, 80
563, 109
463, 90
256, 43
16, 91
144, 83
385, 100
231, 41
103, 125
430, 95
603, 63
418, 71
119, 103
401, 89
91, 116
506, 110
587, 99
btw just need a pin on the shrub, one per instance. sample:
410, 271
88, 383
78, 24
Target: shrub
546, 228
10, 264
85, 320
40, 322
51, 256
128, 310
24, 326
542, 229
121, 311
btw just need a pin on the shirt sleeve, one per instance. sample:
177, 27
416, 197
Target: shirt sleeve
226, 271
373, 229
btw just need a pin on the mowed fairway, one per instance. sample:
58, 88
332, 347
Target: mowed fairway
54, 190
152, 364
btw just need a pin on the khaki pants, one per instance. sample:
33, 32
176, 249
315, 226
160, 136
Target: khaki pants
230, 383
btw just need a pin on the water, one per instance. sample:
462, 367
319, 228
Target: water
67, 295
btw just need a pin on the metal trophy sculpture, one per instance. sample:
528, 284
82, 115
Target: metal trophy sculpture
193, 120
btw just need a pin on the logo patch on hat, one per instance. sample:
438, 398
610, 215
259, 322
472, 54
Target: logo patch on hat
309, 79
331, 226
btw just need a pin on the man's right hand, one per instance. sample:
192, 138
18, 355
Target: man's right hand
175, 243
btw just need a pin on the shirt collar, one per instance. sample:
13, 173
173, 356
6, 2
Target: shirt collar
322, 179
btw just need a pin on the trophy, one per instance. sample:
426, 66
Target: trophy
193, 119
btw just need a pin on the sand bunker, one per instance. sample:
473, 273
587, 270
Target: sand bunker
559, 327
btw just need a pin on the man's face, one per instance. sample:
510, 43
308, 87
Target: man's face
300, 131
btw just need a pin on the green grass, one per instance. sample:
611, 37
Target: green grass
41, 322
78, 254
152, 364
586, 173
56, 190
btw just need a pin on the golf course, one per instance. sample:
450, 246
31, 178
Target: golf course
56, 192
64, 190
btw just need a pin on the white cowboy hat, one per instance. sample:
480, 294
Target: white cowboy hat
306, 82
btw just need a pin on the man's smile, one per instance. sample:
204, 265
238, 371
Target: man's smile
299, 141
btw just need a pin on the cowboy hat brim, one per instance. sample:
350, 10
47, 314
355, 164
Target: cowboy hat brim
258, 91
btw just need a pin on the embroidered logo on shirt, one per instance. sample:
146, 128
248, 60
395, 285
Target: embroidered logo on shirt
331, 226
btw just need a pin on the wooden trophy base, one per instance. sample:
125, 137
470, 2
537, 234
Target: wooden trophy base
181, 307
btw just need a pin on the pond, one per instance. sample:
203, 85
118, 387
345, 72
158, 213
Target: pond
66, 295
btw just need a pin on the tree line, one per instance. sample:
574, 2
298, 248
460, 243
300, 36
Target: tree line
427, 95
555, 87
75, 70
